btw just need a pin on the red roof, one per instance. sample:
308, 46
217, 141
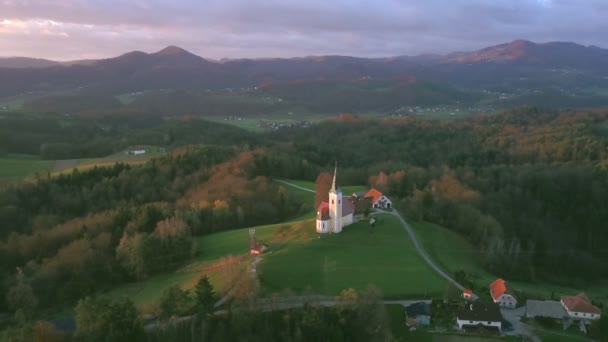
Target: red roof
580, 303
498, 288
323, 211
467, 291
373, 193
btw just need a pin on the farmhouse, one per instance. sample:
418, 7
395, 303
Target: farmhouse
418, 314
336, 214
480, 314
467, 294
502, 294
137, 152
378, 199
579, 307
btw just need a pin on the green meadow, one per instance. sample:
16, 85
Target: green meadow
356, 258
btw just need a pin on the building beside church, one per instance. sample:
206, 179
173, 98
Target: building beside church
336, 214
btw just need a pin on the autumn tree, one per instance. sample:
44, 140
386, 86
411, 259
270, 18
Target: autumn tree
323, 185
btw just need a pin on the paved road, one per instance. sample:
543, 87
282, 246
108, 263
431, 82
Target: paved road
414, 239
423, 254
295, 186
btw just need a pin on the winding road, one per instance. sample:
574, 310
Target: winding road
413, 237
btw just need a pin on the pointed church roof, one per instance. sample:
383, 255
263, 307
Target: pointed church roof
334, 188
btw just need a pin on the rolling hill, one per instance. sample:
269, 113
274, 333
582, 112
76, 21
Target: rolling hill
509, 65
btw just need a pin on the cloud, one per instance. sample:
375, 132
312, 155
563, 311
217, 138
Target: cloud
68, 29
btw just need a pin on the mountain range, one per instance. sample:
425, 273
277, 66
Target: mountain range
516, 64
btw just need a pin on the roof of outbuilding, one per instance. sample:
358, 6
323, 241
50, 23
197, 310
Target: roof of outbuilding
545, 308
480, 311
420, 308
373, 193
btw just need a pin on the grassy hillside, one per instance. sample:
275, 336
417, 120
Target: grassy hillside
355, 258
15, 167
454, 253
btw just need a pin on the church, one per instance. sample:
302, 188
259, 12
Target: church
336, 214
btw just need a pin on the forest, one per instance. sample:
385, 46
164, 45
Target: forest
527, 187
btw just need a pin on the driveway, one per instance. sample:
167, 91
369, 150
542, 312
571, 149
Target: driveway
519, 328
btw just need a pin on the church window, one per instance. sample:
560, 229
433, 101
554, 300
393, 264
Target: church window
332, 201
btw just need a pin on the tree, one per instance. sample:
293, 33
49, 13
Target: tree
100, 319
323, 183
205, 296
43, 331
21, 296
174, 301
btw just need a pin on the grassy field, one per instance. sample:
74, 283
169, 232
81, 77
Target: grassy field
17, 167
453, 253
211, 248
13, 168
355, 258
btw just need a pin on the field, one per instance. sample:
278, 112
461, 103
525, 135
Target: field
453, 253
15, 167
211, 249
355, 258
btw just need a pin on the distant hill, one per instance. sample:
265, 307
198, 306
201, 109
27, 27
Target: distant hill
553, 54
25, 62
516, 65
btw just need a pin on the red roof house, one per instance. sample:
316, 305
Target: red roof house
580, 307
379, 200
467, 293
502, 294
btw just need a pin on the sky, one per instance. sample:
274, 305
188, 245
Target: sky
80, 29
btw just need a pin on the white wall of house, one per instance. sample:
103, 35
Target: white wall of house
506, 301
581, 315
484, 323
383, 202
322, 226
346, 220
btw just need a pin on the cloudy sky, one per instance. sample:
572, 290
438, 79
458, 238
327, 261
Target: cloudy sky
77, 29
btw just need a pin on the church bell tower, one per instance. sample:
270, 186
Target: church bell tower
335, 205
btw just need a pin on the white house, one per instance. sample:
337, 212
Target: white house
336, 214
502, 294
137, 152
579, 307
479, 314
379, 200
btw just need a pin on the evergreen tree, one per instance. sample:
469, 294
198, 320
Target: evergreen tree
205, 296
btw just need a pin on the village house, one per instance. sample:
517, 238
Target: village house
256, 247
502, 294
467, 294
378, 199
479, 315
418, 314
579, 307
336, 214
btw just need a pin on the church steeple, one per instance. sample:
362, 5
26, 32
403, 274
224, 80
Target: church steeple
333, 184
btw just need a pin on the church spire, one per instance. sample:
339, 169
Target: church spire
333, 185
